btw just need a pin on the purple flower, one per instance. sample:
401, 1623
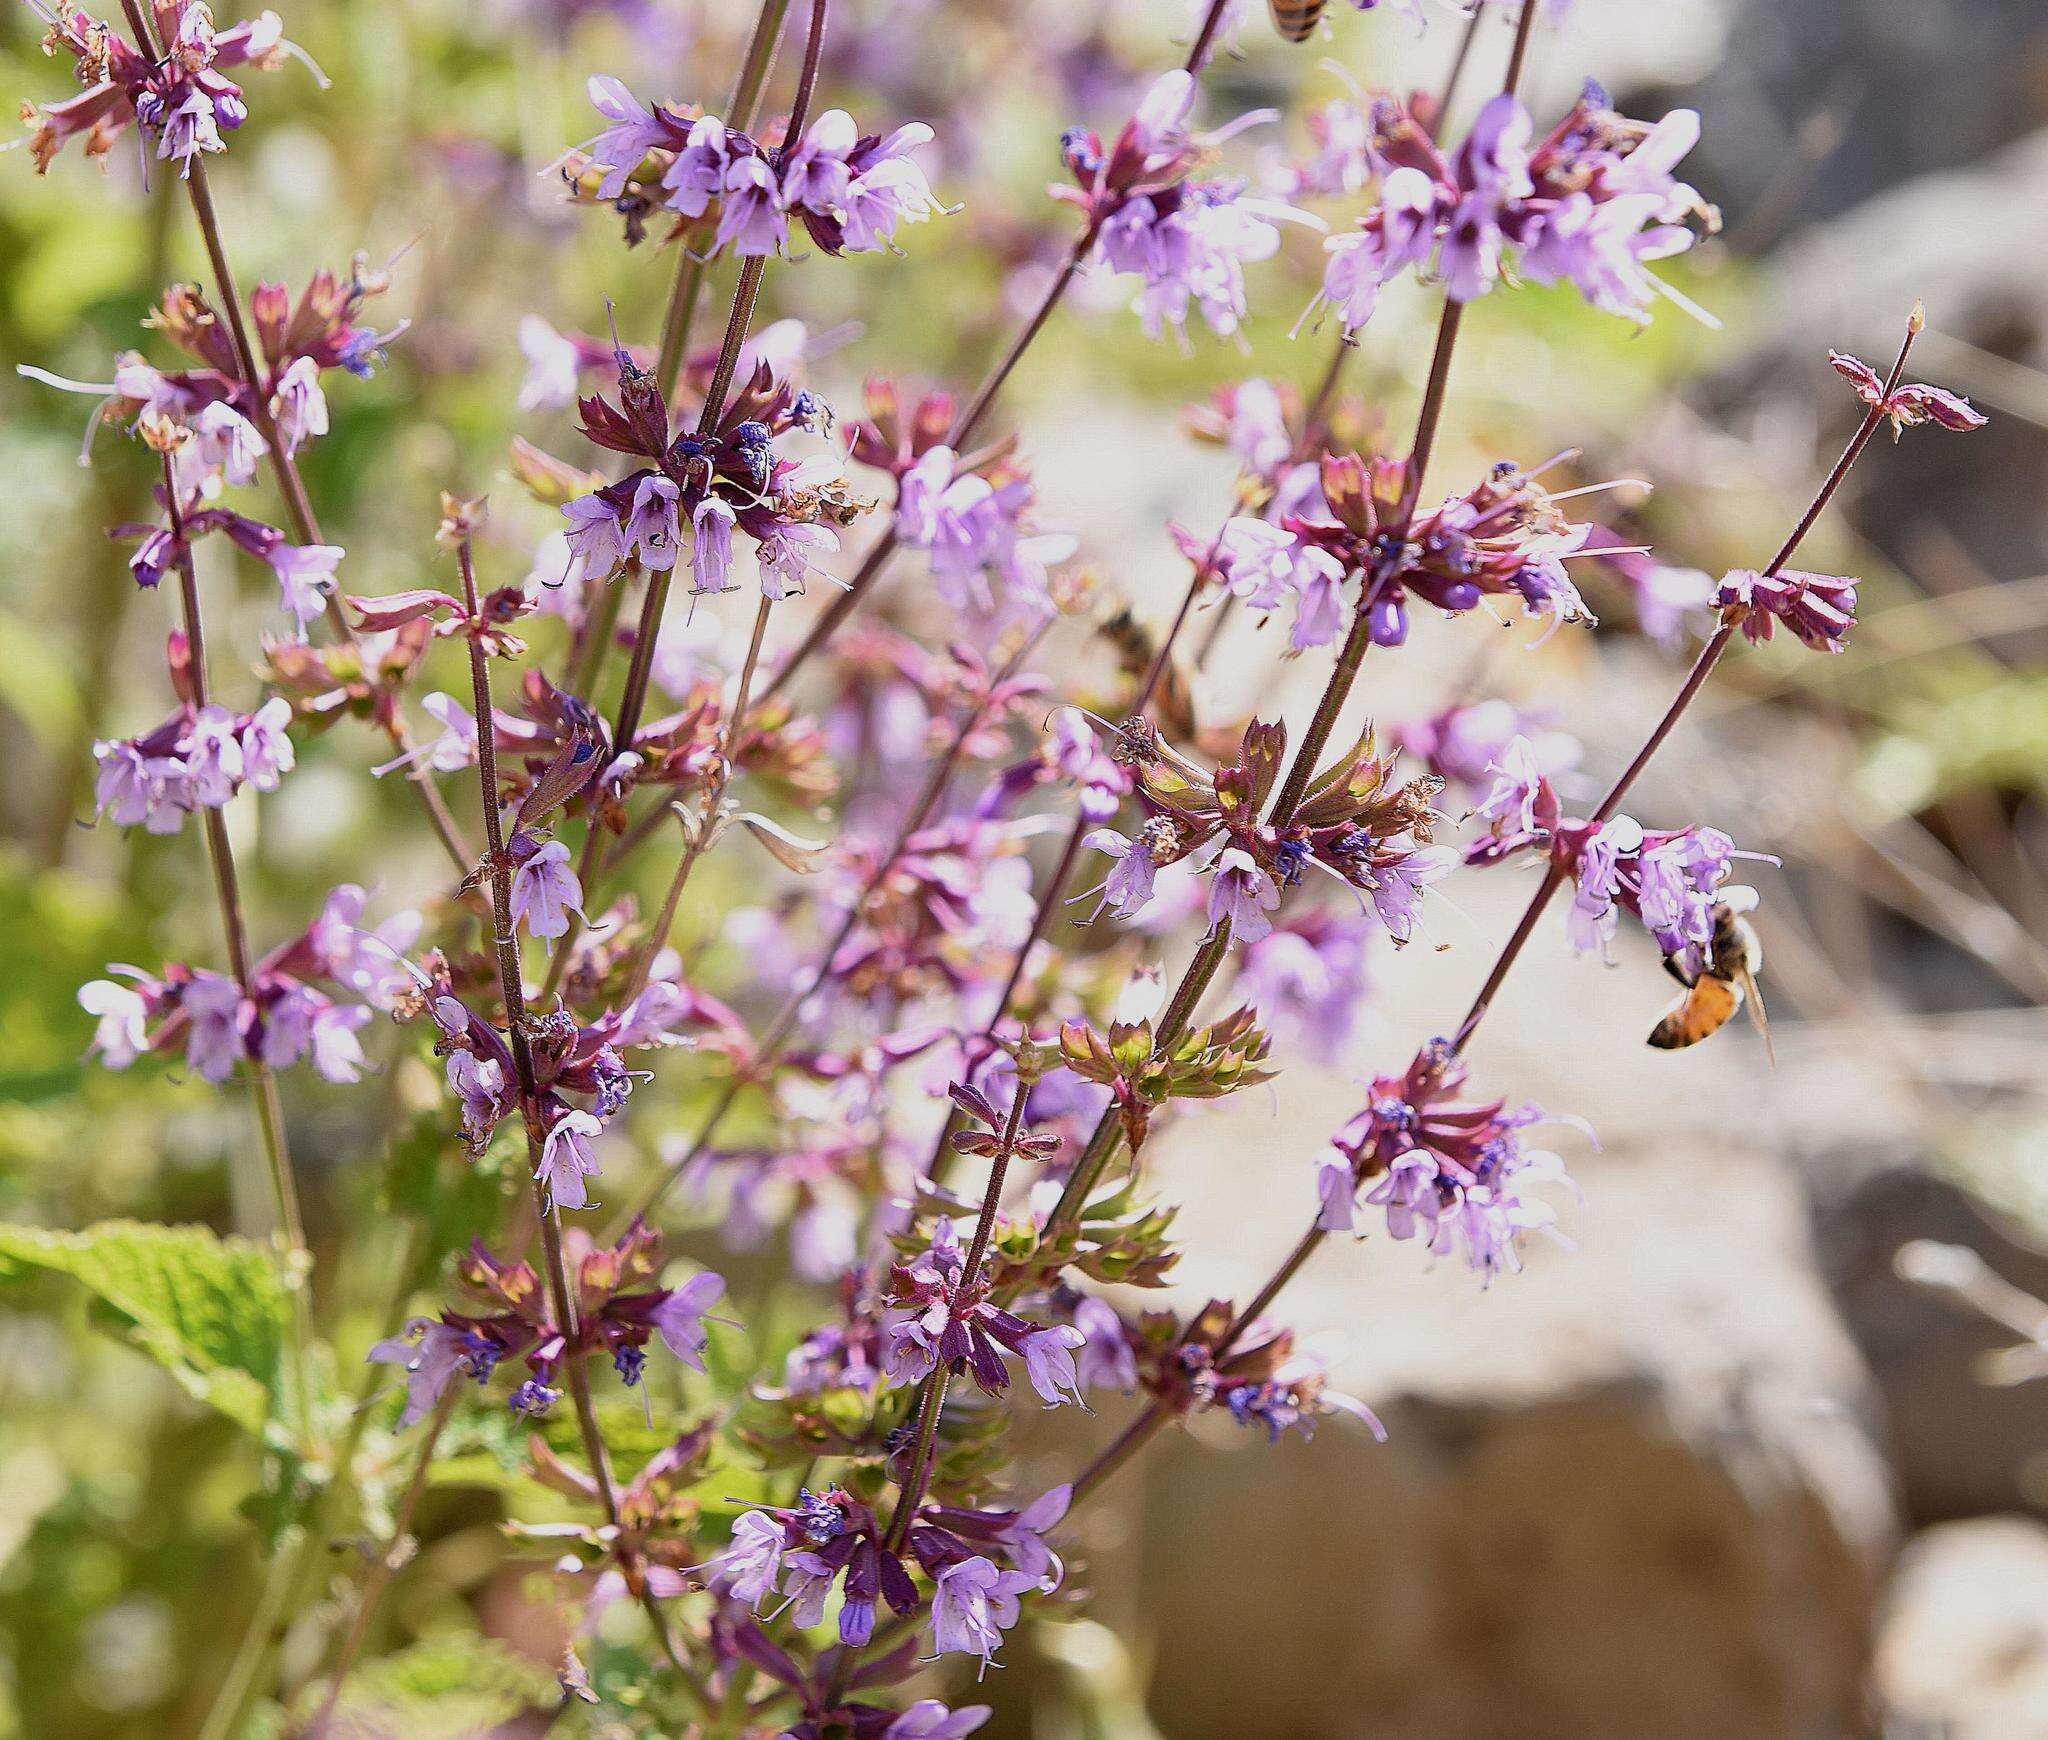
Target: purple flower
213, 756
430, 1354
1049, 1363
889, 190
298, 405
1911, 402
566, 1160
226, 438
752, 220
634, 131
1519, 809
122, 1013
928, 1719
1128, 888
486, 1096
545, 891
1309, 977
1106, 1358
337, 1053
595, 537
1241, 892
652, 530
711, 526
267, 752
750, 1568
1820, 609
787, 557
973, 1604
305, 575
816, 175
214, 1010
678, 1319
695, 177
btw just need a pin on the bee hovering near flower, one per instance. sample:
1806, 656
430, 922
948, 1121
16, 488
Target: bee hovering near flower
1726, 983
1296, 20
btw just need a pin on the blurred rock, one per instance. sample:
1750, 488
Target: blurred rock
1964, 1651
1960, 1448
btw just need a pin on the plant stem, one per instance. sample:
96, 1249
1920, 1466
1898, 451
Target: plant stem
384, 1565
298, 507
1158, 1412
561, 1296
293, 1260
691, 267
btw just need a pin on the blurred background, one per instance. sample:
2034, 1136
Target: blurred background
1717, 1469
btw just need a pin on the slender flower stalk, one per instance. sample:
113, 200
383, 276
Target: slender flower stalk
293, 1260
746, 292
1158, 1413
511, 989
291, 485
1209, 957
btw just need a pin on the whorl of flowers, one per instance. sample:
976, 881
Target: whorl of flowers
1358, 823
849, 190
183, 100
1187, 237
616, 1314
1591, 204
1503, 538
1454, 1175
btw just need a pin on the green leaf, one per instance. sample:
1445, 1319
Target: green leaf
452, 1687
211, 1311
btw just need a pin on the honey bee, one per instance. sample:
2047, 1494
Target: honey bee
1296, 19
1726, 984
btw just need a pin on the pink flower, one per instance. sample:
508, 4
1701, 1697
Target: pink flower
1820, 609
267, 752
566, 1160
711, 546
1242, 893
545, 891
679, 1318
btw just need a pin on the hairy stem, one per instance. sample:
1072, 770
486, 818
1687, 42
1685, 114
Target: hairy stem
561, 1296
293, 1260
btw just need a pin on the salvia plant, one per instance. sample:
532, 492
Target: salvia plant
1007, 927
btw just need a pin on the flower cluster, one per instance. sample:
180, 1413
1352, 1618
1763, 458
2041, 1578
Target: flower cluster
183, 99
851, 191
1455, 1175
1671, 879
199, 756
1358, 823
1187, 237
1504, 537
978, 1563
970, 514
614, 1313
936, 1317
289, 1012
1591, 204
724, 478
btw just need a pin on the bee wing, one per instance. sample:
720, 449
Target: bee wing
1703, 1010
1746, 985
